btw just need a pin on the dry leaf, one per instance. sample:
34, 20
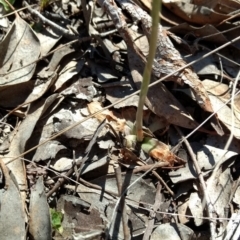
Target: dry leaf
195, 13
19, 142
120, 124
225, 115
172, 231
160, 151
19, 51
40, 220
12, 220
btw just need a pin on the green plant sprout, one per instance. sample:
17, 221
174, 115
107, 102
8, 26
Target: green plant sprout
56, 219
156, 7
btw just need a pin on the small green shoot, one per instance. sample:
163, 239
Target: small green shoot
56, 219
156, 7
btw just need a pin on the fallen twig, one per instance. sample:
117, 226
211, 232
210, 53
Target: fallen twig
66, 33
122, 204
123, 193
209, 205
152, 214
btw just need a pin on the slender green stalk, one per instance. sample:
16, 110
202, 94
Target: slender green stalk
156, 6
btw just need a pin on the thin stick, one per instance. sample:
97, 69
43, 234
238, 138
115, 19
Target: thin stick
163, 183
16, 11
152, 214
66, 33
61, 180
122, 204
157, 165
124, 192
11, 6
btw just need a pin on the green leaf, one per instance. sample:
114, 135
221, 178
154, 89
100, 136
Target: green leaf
56, 218
5, 4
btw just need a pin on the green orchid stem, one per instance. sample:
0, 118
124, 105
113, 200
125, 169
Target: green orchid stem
156, 6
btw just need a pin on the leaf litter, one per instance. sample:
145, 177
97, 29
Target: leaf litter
67, 115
